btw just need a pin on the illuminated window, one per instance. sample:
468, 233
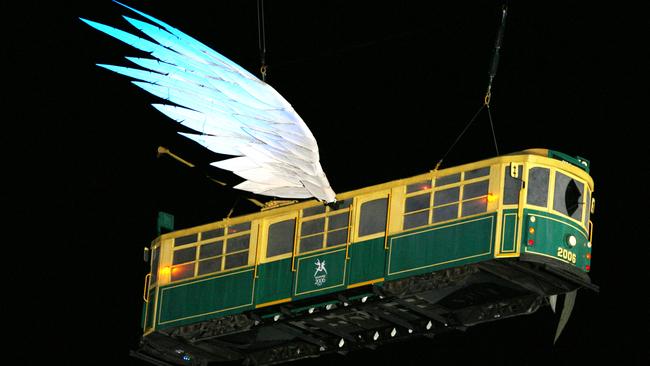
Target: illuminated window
326, 226
213, 251
450, 197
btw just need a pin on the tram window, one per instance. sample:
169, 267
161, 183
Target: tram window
212, 234
311, 211
210, 265
238, 228
588, 210
338, 221
236, 260
511, 189
538, 186
448, 179
418, 202
337, 237
419, 186
311, 243
184, 255
155, 259
476, 173
340, 205
373, 217
280, 239
446, 196
211, 249
312, 227
182, 272
416, 219
445, 213
333, 225
474, 190
187, 239
567, 196
473, 207
237, 243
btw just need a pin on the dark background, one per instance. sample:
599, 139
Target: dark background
385, 87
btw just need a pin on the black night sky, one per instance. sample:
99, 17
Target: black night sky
385, 87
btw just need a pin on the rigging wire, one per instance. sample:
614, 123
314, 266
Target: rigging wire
261, 36
494, 64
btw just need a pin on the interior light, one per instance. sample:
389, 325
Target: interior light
491, 197
363, 299
341, 342
375, 336
311, 310
276, 317
429, 325
393, 332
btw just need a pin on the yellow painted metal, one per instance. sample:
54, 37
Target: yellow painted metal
257, 252
390, 197
350, 229
395, 212
281, 301
295, 246
359, 284
145, 294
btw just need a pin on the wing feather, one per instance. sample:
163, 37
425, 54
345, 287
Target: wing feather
232, 111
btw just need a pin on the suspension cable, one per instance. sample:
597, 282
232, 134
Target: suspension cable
261, 36
488, 94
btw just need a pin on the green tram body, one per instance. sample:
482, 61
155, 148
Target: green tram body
509, 217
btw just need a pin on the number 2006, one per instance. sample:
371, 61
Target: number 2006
567, 255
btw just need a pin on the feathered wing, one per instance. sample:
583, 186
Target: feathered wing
232, 111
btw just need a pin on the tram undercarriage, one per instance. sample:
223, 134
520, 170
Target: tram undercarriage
366, 317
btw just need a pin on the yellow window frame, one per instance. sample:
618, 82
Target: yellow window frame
359, 201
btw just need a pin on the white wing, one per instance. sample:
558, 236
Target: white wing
233, 112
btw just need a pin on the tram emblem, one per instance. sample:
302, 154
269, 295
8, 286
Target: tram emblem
320, 276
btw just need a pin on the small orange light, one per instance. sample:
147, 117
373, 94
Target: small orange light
491, 197
165, 271
531, 230
588, 255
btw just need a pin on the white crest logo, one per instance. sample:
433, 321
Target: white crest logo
320, 276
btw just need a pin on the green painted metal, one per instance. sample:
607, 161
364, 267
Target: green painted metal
149, 308
274, 281
367, 260
205, 298
550, 238
165, 223
441, 246
509, 232
578, 161
320, 272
